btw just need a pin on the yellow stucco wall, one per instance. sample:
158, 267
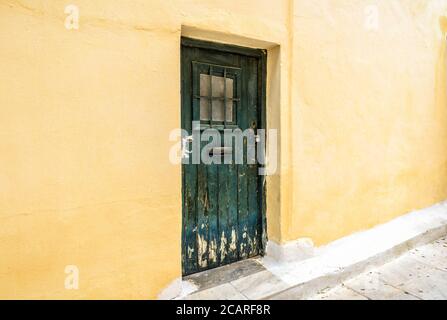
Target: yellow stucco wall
369, 114
85, 117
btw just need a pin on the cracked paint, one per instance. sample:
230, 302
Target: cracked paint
202, 250
190, 252
223, 246
212, 252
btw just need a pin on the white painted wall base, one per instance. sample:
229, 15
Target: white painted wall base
297, 250
177, 289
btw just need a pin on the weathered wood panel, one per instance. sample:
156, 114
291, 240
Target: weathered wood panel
222, 213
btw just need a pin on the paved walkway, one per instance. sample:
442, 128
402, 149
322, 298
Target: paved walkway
420, 274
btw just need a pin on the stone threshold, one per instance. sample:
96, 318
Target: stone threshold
273, 278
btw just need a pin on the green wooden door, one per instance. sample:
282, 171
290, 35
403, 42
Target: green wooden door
223, 219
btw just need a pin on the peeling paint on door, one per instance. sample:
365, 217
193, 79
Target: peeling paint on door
222, 211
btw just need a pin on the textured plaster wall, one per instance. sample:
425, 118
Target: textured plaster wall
85, 117
369, 114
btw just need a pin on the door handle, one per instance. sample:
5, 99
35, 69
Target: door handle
219, 151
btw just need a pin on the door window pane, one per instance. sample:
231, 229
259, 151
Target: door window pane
218, 111
204, 92
229, 105
229, 111
204, 109
205, 85
214, 88
218, 86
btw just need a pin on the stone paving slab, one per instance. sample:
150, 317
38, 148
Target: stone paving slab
222, 292
339, 293
418, 274
404, 269
434, 254
429, 287
372, 287
215, 277
259, 285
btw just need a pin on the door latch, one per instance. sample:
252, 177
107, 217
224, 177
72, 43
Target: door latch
185, 143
